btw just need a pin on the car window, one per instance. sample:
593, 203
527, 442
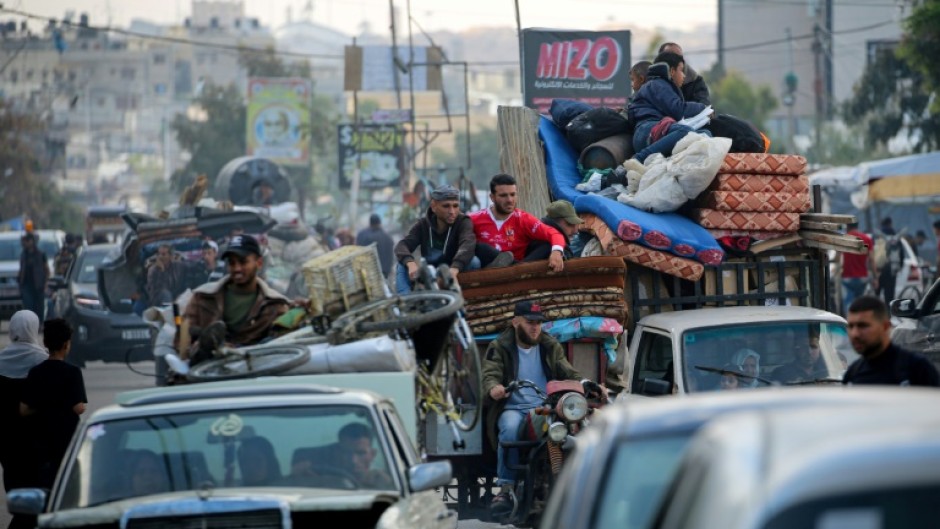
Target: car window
654, 357
914, 506
88, 266
637, 477
267, 447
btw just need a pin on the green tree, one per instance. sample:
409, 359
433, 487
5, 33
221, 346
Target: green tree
842, 146
731, 93
484, 157
266, 63
893, 98
214, 134
920, 43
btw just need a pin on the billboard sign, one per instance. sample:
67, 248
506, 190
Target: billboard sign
278, 112
588, 66
375, 150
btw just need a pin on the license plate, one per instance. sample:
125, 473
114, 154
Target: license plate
136, 334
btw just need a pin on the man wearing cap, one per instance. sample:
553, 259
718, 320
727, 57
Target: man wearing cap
445, 236
209, 268
239, 308
503, 227
521, 352
560, 215
383, 242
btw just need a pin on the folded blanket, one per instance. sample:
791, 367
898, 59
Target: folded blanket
539, 269
760, 183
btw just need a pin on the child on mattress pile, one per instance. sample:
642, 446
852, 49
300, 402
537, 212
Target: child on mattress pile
657, 107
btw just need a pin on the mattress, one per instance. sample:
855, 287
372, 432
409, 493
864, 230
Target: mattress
750, 201
760, 183
757, 235
561, 162
746, 220
661, 261
759, 163
599, 265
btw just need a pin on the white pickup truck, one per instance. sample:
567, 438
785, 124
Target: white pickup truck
690, 351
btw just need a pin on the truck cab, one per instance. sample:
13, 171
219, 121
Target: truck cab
691, 351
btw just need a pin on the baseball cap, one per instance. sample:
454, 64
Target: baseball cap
210, 244
529, 310
562, 209
242, 245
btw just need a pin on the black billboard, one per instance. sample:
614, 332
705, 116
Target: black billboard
588, 66
375, 150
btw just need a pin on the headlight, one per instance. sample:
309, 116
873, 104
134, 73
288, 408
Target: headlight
572, 407
558, 431
88, 303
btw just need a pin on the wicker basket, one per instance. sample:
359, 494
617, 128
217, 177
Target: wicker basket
344, 278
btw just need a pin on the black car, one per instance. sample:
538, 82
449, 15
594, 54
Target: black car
918, 327
99, 334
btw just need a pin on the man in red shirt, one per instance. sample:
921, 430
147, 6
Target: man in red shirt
503, 228
857, 269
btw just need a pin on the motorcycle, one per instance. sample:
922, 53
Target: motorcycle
547, 434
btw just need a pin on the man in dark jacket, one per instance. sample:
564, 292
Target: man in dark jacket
560, 215
445, 236
693, 87
660, 99
33, 275
383, 242
521, 352
882, 362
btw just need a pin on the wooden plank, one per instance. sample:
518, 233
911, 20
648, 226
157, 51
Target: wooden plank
830, 246
848, 241
521, 155
820, 225
763, 246
827, 217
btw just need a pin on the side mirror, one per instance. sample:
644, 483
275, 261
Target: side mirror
655, 387
30, 502
427, 476
57, 283
904, 308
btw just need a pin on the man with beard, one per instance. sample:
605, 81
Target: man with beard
238, 309
693, 86
807, 363
505, 232
882, 362
521, 352
560, 215
445, 236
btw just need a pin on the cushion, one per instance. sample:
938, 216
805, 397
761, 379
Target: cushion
751, 201
746, 220
757, 163
760, 183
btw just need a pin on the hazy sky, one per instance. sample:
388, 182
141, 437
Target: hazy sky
347, 15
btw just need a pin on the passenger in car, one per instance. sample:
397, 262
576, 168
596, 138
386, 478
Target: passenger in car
258, 462
807, 364
147, 475
729, 380
357, 455
748, 361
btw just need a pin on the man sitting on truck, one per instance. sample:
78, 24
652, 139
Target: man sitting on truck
504, 232
522, 352
238, 309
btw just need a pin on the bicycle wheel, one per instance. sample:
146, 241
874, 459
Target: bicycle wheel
254, 362
406, 311
461, 370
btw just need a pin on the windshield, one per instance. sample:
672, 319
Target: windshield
88, 266
762, 354
10, 249
331, 447
636, 479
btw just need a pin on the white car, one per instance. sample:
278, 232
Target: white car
265, 452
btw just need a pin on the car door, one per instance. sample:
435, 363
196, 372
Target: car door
414, 509
924, 335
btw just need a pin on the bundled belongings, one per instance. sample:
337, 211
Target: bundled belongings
595, 125
744, 136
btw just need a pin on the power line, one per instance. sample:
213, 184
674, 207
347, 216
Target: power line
175, 40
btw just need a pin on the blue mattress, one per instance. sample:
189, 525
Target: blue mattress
669, 232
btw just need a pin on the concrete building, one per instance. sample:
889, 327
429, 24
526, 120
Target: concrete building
825, 43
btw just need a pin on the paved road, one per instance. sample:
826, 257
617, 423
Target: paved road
103, 381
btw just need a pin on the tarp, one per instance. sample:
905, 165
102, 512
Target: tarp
904, 179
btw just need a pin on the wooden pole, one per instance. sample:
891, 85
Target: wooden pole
521, 155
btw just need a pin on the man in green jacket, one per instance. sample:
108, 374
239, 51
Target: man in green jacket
522, 352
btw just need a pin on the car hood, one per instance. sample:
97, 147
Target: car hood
298, 499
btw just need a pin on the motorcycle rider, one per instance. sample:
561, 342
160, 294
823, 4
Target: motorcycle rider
239, 309
521, 352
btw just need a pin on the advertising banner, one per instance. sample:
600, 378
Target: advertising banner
278, 112
375, 150
588, 66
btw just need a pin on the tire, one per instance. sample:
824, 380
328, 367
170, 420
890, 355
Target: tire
469, 385
275, 359
443, 304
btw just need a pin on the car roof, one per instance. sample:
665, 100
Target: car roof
779, 457
642, 416
680, 321
260, 392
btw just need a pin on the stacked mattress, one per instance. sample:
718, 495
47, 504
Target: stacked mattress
756, 195
590, 286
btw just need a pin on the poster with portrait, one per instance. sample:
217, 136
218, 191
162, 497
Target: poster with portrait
278, 114
375, 150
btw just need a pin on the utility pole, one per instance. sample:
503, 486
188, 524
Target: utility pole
790, 81
395, 60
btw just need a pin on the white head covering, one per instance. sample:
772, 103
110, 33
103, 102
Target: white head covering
25, 349
739, 357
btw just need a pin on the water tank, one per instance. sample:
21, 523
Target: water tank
238, 178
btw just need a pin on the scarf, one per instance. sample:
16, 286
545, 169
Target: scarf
25, 350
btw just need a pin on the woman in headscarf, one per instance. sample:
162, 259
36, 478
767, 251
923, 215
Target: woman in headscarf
24, 352
749, 362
